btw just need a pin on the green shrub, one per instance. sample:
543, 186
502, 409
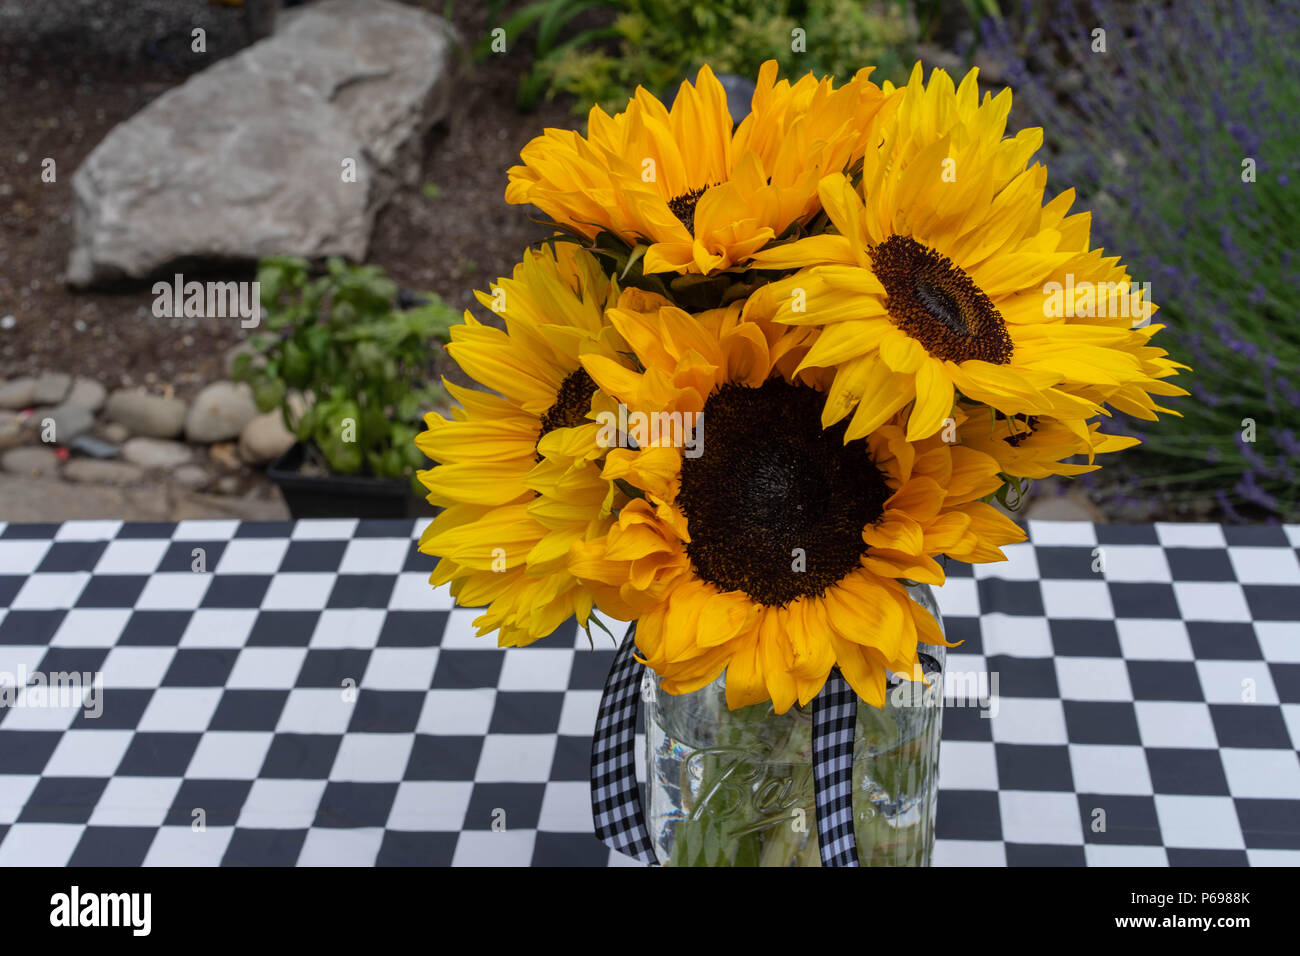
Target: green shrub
365, 366
655, 43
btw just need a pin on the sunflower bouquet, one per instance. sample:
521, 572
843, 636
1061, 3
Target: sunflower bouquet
759, 384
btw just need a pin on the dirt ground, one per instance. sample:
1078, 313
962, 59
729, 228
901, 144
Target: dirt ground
58, 99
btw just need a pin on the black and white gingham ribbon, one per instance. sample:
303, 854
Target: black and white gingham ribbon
616, 796
835, 716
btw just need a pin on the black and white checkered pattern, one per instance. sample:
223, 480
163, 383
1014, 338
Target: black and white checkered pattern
835, 712
616, 810
319, 703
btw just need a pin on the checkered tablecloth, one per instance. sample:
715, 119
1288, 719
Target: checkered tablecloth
296, 693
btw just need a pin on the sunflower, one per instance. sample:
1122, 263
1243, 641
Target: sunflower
1030, 446
516, 472
702, 196
772, 549
937, 282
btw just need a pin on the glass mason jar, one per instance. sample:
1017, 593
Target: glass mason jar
735, 787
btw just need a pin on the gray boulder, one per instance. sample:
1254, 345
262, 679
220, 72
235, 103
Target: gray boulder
36, 461
246, 159
153, 416
51, 387
93, 472
87, 393
17, 393
193, 477
220, 412
265, 438
70, 422
11, 430
156, 453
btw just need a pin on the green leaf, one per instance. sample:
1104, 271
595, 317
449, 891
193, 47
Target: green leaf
344, 457
306, 425
297, 365
408, 406
369, 359
584, 38
516, 25
555, 20
268, 394
394, 463
531, 87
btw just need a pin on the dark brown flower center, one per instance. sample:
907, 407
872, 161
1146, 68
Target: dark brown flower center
776, 505
683, 207
572, 403
936, 303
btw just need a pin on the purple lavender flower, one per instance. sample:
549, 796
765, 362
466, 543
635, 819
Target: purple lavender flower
1182, 163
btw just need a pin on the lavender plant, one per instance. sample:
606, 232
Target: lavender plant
1182, 137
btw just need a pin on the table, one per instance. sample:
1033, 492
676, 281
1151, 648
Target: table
296, 693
